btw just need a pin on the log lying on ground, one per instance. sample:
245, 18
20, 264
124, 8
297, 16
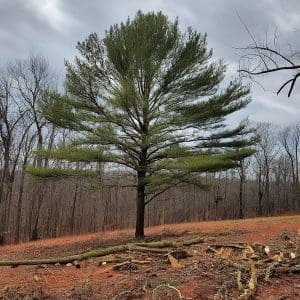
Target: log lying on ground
192, 242
157, 245
98, 253
170, 244
65, 259
151, 250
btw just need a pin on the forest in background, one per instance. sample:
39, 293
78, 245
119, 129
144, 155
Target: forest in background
266, 184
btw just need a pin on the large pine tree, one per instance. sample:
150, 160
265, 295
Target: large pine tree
148, 97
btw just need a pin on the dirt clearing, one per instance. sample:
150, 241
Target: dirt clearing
246, 259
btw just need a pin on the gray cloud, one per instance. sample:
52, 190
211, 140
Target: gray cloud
53, 27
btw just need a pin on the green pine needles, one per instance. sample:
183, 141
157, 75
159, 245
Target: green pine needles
148, 97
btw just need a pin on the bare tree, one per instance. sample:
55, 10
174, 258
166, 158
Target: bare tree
259, 58
26, 155
14, 129
244, 164
289, 138
264, 158
33, 79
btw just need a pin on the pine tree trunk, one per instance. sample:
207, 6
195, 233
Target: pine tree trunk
140, 206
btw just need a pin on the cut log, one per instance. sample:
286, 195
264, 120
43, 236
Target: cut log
76, 264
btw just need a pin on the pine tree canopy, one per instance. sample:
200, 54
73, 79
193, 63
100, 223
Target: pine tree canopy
148, 97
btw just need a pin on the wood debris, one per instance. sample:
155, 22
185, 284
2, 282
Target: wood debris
174, 262
280, 260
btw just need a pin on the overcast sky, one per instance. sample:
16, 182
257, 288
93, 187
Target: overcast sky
52, 27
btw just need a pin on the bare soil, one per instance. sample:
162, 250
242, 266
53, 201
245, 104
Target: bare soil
202, 276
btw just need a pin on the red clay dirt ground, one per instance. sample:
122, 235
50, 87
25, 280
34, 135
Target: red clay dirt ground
202, 276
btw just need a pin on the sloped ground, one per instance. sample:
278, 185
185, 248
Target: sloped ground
203, 275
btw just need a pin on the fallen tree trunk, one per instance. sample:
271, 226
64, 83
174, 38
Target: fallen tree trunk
98, 253
157, 245
152, 250
165, 244
65, 259
192, 242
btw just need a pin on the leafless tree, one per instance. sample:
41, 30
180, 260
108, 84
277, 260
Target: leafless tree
264, 158
33, 79
14, 129
23, 86
289, 138
260, 58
